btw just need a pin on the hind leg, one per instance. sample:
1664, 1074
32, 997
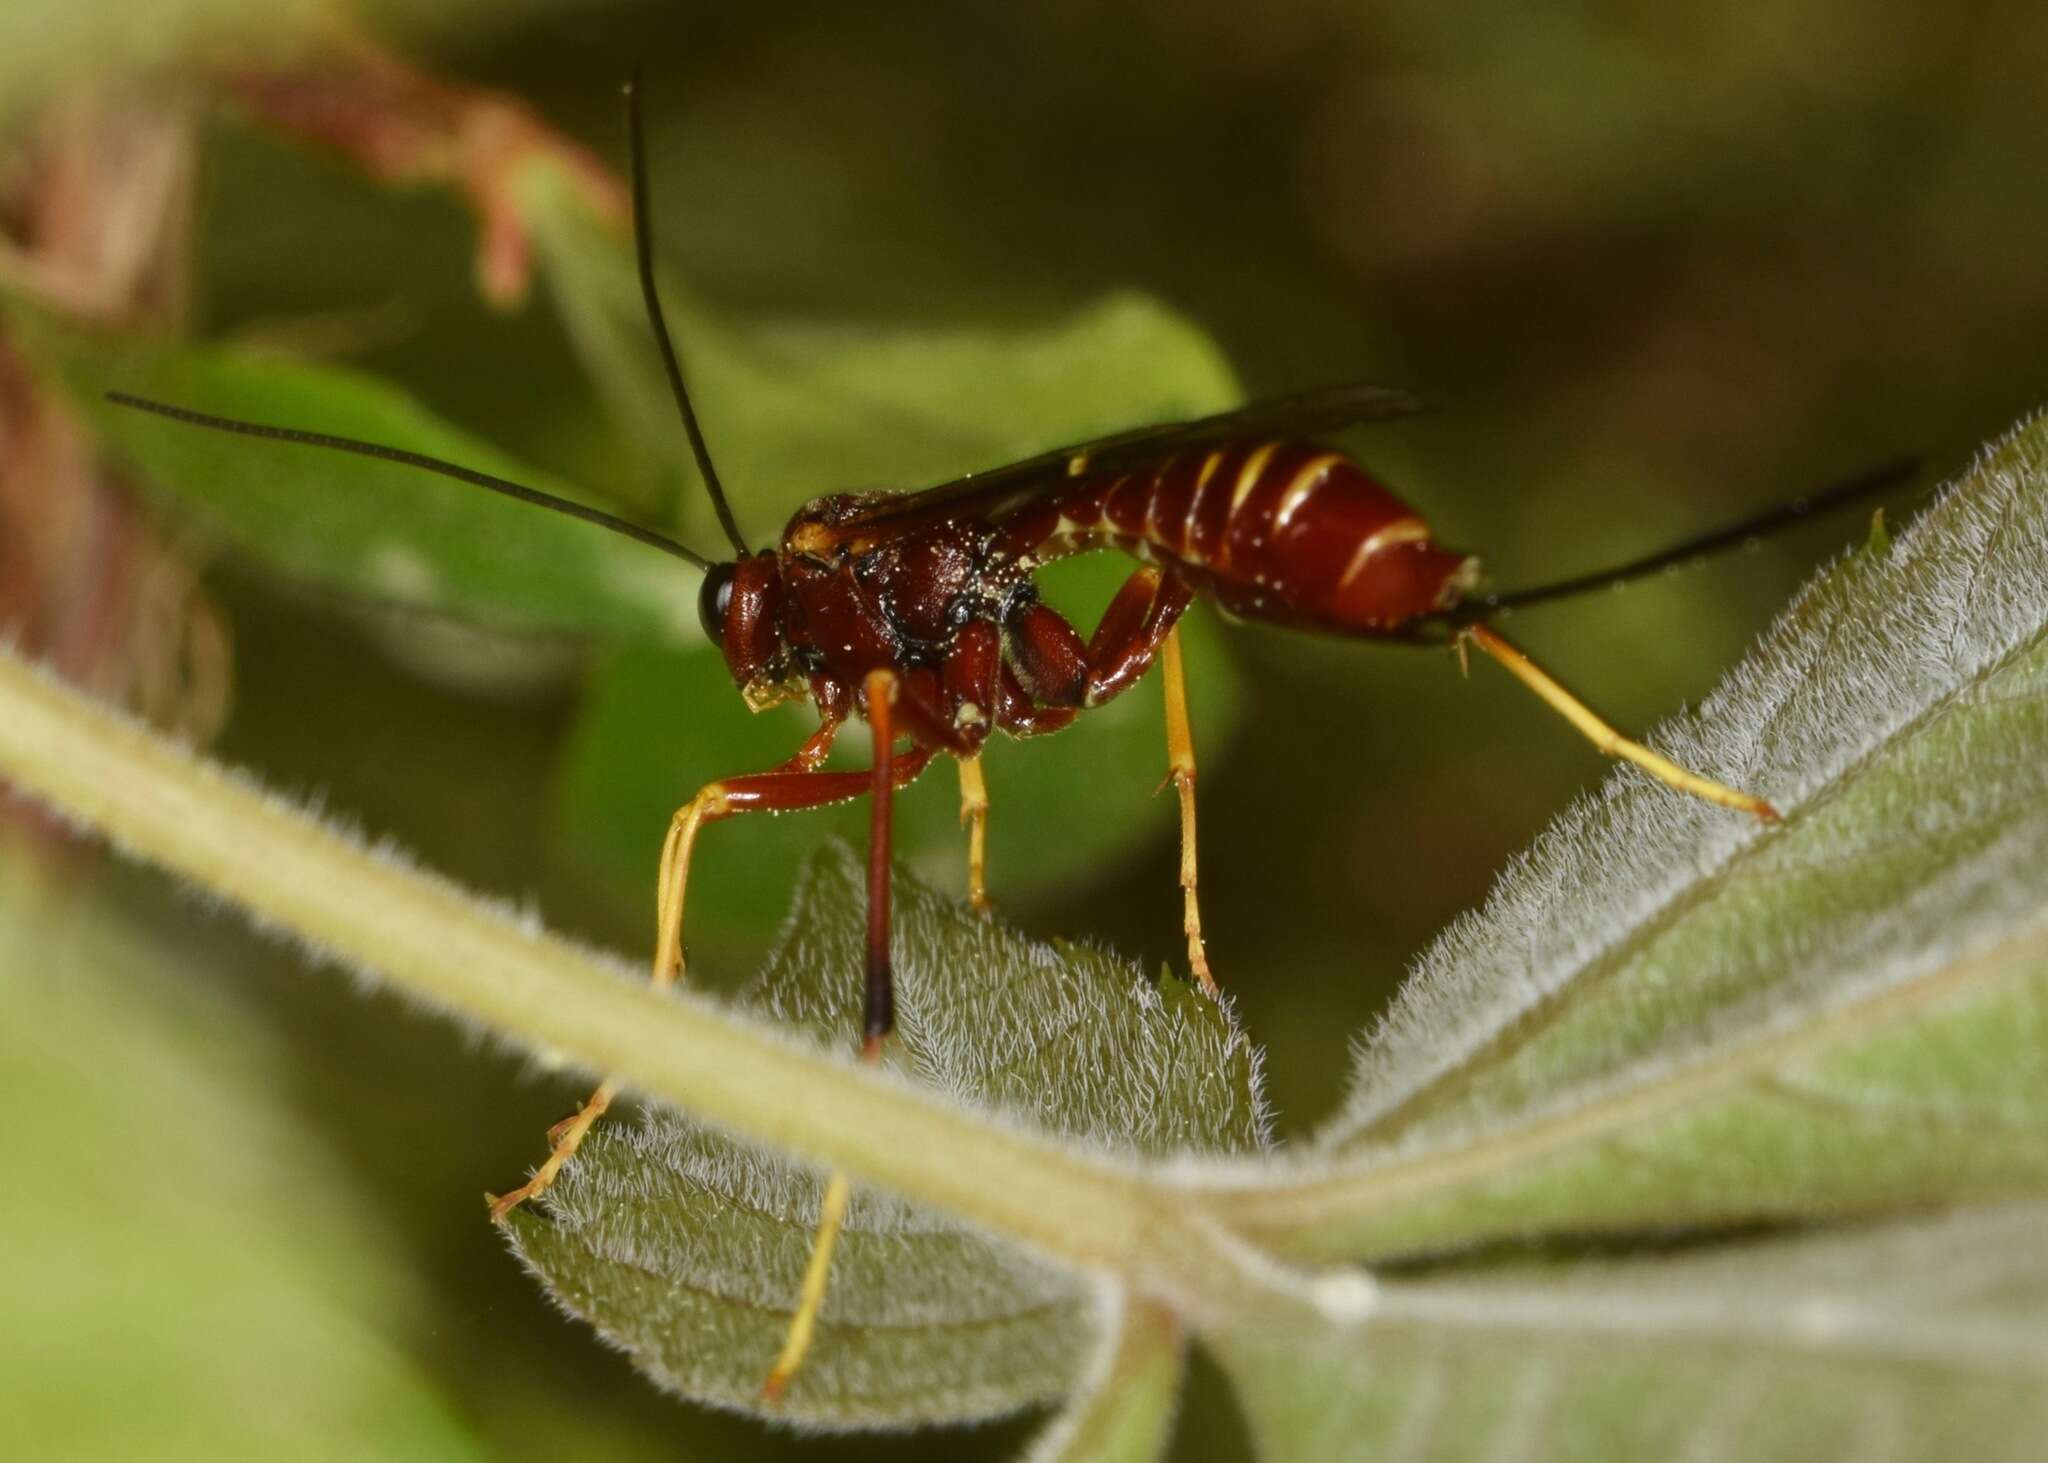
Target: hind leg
1611, 742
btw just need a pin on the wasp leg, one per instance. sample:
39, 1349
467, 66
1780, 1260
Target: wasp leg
969, 683
1019, 714
974, 814
1141, 624
796, 1344
1131, 631
878, 1018
1180, 762
782, 791
1611, 742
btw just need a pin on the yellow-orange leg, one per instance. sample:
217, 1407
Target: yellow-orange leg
1611, 742
565, 1137
795, 785
796, 1344
878, 1021
974, 817
1180, 762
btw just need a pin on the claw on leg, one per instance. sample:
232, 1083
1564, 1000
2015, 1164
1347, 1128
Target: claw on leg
566, 1136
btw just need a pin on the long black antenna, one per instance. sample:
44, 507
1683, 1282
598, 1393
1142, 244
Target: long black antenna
416, 459
643, 253
1849, 490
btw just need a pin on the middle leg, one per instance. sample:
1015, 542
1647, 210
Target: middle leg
1180, 762
1143, 622
1140, 624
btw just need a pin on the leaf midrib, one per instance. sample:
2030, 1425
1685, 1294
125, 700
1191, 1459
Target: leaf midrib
1288, 1216
1823, 1324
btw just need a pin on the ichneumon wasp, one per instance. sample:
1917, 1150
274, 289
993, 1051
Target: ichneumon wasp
918, 612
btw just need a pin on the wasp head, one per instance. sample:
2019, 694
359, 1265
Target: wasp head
741, 607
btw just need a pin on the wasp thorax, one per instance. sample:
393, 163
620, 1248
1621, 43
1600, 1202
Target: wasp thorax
929, 578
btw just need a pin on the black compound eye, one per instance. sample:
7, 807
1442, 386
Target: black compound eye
714, 599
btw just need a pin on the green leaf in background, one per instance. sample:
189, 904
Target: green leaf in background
794, 410
686, 1250
141, 1322
47, 46
370, 528
1917, 1340
658, 723
1666, 1015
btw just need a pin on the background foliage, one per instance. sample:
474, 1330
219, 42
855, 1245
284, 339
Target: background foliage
1658, 272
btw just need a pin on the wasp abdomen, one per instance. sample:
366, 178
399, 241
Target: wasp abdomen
1282, 531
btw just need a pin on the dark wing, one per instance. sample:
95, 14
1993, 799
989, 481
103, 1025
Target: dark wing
1303, 414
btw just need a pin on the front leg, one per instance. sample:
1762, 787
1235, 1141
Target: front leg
795, 785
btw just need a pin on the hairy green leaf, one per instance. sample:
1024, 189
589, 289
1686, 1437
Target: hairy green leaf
1921, 1339
1668, 1015
686, 1249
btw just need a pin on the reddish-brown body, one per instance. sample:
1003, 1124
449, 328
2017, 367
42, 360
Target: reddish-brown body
938, 587
1280, 531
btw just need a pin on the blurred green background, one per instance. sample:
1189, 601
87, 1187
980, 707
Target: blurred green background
1657, 269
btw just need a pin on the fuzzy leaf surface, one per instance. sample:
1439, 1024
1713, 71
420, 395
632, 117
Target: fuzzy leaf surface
1909, 1340
686, 1249
1666, 1014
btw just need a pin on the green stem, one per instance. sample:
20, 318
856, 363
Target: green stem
442, 945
